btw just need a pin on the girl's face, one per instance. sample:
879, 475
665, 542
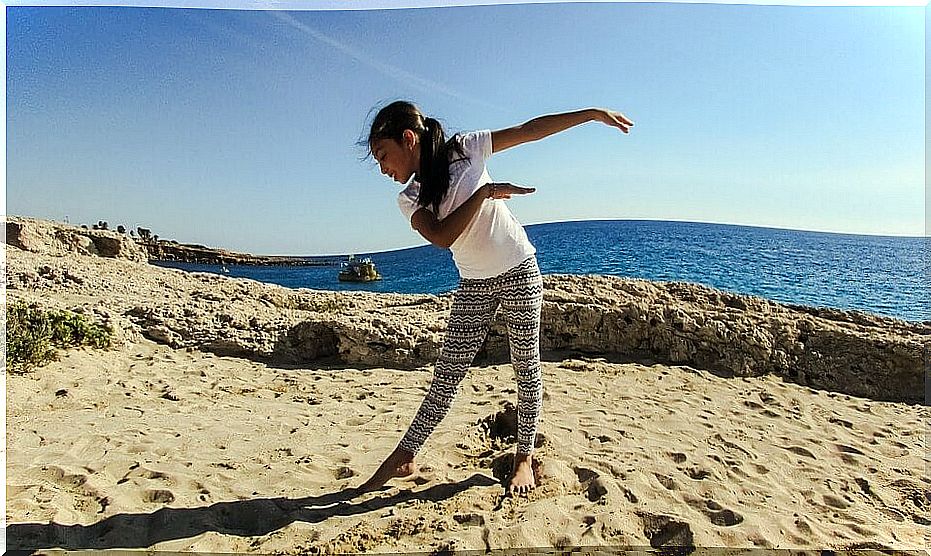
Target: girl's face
398, 160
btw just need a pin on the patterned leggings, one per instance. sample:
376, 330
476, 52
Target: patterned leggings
519, 291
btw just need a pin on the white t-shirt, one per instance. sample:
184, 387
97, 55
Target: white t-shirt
494, 241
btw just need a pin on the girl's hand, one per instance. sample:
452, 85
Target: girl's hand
504, 190
615, 119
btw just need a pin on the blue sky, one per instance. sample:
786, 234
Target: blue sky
238, 128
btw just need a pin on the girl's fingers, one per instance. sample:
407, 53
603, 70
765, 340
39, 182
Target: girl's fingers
619, 117
503, 186
619, 121
504, 190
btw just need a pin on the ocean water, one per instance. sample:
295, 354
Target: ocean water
888, 276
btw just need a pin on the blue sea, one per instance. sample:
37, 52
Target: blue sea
878, 274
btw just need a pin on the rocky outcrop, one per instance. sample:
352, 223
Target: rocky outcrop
52, 238
55, 238
163, 250
686, 324
689, 324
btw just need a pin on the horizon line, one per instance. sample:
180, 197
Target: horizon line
568, 221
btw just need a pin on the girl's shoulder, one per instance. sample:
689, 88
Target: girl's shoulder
473, 135
475, 143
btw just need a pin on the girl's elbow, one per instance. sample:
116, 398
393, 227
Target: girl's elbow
436, 238
442, 240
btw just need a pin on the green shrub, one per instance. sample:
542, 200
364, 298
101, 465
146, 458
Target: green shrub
33, 334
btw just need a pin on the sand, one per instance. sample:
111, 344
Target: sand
145, 446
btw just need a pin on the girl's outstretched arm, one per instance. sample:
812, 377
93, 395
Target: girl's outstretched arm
544, 126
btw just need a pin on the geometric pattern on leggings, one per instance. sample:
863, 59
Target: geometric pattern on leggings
519, 293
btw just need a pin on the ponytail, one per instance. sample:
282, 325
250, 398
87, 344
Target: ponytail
434, 164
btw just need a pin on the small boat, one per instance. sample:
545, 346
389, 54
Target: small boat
354, 270
224, 270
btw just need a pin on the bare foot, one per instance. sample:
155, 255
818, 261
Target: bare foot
399, 464
522, 479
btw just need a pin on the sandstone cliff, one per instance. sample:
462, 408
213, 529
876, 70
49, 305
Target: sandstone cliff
41, 236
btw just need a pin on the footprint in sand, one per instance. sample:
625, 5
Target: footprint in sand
677, 457
735, 469
75, 484
800, 451
864, 485
59, 477
663, 530
761, 469
584, 474
716, 514
344, 472
914, 499
357, 421
840, 422
697, 473
203, 493
719, 440
835, 502
722, 517
502, 426
768, 398
145, 473
592, 438
592, 483
158, 496
849, 459
803, 527
665, 480
596, 490
849, 449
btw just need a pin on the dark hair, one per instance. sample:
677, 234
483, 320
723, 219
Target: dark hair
390, 123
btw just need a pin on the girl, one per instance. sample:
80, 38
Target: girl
453, 203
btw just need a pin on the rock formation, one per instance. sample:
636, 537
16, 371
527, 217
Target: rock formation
686, 324
162, 250
40, 236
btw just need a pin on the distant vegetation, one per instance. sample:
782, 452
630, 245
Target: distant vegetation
144, 234
33, 335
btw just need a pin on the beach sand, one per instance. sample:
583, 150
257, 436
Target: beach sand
145, 446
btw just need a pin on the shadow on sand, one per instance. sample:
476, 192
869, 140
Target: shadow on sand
245, 518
